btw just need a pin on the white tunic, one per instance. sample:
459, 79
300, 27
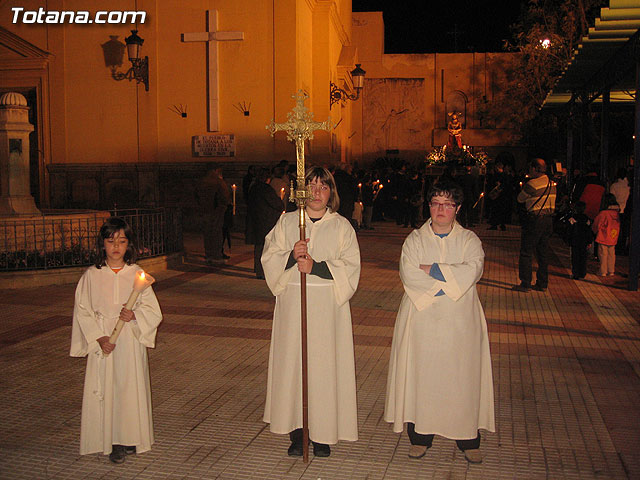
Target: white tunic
116, 405
331, 365
440, 366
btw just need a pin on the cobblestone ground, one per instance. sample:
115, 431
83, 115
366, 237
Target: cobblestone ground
565, 363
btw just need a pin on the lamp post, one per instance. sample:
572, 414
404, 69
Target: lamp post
337, 94
139, 70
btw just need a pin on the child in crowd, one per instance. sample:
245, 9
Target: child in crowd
116, 405
580, 239
606, 226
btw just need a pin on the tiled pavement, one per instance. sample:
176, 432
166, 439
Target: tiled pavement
566, 367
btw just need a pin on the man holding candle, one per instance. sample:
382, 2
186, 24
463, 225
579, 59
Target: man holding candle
212, 194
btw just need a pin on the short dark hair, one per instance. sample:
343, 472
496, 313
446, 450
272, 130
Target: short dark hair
108, 230
446, 188
325, 177
610, 200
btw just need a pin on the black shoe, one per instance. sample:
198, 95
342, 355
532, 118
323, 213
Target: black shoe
295, 449
130, 450
521, 288
321, 449
117, 454
539, 288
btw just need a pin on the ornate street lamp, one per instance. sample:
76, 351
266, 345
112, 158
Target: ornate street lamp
139, 70
337, 94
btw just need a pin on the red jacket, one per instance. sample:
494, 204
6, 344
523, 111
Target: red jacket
607, 226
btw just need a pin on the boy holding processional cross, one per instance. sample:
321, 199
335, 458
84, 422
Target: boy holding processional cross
330, 257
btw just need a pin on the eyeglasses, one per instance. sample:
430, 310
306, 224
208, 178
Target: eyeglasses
446, 206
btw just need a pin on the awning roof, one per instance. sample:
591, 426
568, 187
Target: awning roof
605, 58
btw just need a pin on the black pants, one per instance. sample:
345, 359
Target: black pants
257, 255
536, 231
296, 437
213, 239
427, 440
579, 261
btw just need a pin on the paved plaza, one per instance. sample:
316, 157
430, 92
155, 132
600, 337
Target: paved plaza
566, 366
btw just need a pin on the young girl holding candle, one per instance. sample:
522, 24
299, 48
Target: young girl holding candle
116, 405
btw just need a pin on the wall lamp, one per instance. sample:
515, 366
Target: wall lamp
139, 70
337, 94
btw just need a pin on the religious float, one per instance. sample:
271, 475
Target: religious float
455, 155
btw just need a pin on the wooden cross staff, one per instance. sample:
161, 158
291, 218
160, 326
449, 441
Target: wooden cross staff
300, 127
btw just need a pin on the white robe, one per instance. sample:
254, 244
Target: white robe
116, 404
331, 364
440, 366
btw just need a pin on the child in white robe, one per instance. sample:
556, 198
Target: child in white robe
440, 380
116, 405
331, 259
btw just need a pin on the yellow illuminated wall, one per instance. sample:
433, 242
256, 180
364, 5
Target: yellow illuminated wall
288, 45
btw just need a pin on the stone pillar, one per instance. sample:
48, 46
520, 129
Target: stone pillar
15, 195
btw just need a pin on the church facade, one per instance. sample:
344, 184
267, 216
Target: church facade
218, 73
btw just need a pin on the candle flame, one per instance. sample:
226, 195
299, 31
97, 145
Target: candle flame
142, 275
482, 194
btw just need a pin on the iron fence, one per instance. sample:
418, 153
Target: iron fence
69, 240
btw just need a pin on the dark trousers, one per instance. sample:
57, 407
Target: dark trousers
427, 440
536, 231
296, 437
213, 239
579, 261
257, 255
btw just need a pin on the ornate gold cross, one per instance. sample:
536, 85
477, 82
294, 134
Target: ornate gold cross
300, 127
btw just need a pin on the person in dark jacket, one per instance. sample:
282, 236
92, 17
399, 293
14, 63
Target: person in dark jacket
347, 188
212, 194
264, 210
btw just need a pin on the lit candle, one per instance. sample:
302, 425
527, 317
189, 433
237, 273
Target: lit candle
141, 282
282, 194
233, 190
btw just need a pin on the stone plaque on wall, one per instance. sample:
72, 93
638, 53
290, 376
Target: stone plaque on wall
213, 145
393, 117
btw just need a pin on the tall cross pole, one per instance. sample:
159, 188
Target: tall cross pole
300, 127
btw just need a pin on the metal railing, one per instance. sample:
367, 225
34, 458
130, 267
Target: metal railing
69, 240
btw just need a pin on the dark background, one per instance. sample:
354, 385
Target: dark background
414, 26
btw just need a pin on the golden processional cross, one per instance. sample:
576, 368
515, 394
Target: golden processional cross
300, 127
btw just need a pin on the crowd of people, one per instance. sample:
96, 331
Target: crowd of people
439, 379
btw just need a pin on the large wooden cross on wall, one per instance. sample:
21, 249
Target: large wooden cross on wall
212, 36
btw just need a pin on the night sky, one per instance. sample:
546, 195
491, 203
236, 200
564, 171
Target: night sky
425, 26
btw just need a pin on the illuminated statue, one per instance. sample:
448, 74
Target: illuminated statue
455, 128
